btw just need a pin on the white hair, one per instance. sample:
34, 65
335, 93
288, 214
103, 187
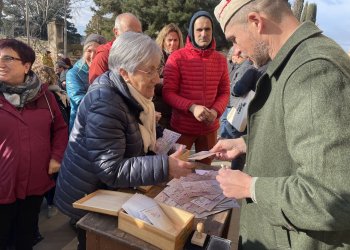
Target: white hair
131, 50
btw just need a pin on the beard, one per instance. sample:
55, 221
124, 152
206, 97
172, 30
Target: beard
260, 55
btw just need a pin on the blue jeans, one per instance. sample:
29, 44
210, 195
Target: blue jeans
227, 131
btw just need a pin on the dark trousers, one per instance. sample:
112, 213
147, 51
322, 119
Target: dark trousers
49, 195
238, 163
19, 220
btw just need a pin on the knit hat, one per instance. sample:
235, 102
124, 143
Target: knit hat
95, 38
226, 9
62, 64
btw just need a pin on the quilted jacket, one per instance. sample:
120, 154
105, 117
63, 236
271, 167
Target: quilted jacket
105, 148
77, 86
100, 62
195, 76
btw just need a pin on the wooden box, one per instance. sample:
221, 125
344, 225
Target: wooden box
103, 201
182, 220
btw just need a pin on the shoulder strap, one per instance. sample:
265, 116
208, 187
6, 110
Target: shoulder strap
48, 104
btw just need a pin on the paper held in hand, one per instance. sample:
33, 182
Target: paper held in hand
166, 142
200, 155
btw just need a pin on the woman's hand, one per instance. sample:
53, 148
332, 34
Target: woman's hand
228, 149
54, 166
178, 167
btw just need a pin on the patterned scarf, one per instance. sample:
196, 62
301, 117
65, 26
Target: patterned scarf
148, 119
19, 95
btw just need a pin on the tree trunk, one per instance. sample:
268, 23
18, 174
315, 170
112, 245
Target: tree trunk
311, 12
297, 8
303, 15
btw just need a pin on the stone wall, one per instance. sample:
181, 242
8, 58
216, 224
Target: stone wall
40, 47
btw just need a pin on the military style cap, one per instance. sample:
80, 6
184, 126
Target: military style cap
226, 9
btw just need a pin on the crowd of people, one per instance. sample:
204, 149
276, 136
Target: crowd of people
68, 130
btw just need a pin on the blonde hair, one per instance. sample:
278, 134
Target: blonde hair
171, 27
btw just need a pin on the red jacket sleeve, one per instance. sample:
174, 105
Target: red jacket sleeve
99, 65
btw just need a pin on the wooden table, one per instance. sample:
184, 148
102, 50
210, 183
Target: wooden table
102, 230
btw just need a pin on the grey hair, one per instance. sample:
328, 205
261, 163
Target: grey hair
86, 46
130, 50
275, 9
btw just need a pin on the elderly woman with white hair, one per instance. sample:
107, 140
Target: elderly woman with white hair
113, 138
77, 81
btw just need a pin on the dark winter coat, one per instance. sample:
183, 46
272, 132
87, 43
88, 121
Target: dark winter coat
105, 147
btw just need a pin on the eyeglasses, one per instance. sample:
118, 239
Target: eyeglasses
9, 59
157, 71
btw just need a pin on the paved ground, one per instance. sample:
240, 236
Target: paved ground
58, 234
56, 231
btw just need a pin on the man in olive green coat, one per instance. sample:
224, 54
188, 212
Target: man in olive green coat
297, 174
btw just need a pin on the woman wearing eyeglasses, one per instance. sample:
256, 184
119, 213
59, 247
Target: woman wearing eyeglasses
111, 144
33, 137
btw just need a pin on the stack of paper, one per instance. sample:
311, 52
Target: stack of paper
146, 209
199, 194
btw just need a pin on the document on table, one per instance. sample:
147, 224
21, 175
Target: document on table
199, 194
147, 209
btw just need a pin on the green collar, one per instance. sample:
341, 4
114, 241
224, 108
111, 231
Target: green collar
303, 32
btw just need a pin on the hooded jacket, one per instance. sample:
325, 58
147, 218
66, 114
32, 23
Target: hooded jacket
195, 76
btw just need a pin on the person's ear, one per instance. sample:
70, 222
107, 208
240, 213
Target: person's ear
255, 21
116, 32
124, 74
27, 67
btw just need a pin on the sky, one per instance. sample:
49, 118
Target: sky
332, 17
